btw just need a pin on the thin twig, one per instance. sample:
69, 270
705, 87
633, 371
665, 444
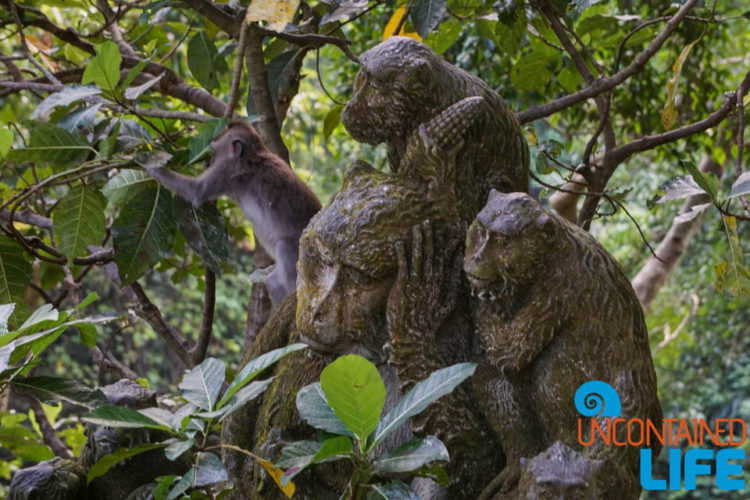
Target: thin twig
239, 62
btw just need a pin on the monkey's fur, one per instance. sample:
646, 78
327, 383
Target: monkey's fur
554, 311
272, 197
402, 84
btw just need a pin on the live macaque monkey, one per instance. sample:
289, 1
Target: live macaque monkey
275, 200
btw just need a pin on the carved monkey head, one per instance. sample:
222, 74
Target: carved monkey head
394, 91
508, 242
559, 473
238, 142
347, 262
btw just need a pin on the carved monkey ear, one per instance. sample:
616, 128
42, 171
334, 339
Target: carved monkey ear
238, 148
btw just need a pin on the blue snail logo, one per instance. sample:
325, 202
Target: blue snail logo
597, 399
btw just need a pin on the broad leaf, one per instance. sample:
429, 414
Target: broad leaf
202, 384
295, 457
108, 461
104, 67
674, 189
412, 455
6, 141
50, 144
355, 390
741, 186
438, 384
162, 416
200, 145
205, 62
331, 120
135, 92
15, 274
176, 449
732, 275
708, 181
314, 409
204, 230
209, 470
242, 396
127, 184
669, 114
81, 118
277, 474
143, 233
134, 72
79, 221
694, 212
427, 14
343, 10
120, 416
61, 389
447, 34
67, 96
277, 13
279, 69
256, 366
395, 490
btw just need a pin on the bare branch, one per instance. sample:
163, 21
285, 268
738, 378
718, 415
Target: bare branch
198, 352
237, 73
28, 217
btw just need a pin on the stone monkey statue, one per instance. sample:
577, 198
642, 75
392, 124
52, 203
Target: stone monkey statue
272, 197
554, 310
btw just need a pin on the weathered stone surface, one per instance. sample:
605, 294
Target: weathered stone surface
55, 479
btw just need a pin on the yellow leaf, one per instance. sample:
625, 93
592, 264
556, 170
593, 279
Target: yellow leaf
276, 474
277, 13
390, 28
532, 138
669, 115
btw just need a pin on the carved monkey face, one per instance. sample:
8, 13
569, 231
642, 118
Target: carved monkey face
393, 91
238, 141
507, 242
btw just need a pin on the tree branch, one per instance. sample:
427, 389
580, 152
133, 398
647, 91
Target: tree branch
606, 84
198, 352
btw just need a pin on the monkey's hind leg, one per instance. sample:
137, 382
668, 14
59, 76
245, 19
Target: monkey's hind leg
283, 279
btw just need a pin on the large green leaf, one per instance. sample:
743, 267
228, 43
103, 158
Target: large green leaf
209, 470
66, 96
242, 396
674, 189
256, 366
50, 144
200, 145
741, 186
315, 410
411, 456
104, 67
204, 230
79, 221
61, 389
120, 416
447, 34
295, 457
127, 184
395, 490
108, 461
355, 390
15, 274
23, 443
420, 396
202, 384
427, 14
205, 62
143, 233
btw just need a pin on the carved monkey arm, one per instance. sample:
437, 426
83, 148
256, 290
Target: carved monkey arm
197, 190
513, 345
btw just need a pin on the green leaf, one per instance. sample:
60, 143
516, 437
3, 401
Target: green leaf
256, 366
741, 186
134, 72
355, 390
127, 184
435, 473
411, 456
15, 274
108, 461
209, 470
143, 233
6, 141
200, 145
204, 230
279, 69
122, 417
669, 114
61, 389
343, 10
708, 181
133, 93
79, 221
242, 396
732, 275
395, 490
315, 410
510, 37
331, 120
23, 442
65, 97
438, 384
50, 144
88, 334
165, 417
447, 34
530, 72
205, 62
202, 384
176, 449
427, 14
104, 67
295, 457
674, 189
